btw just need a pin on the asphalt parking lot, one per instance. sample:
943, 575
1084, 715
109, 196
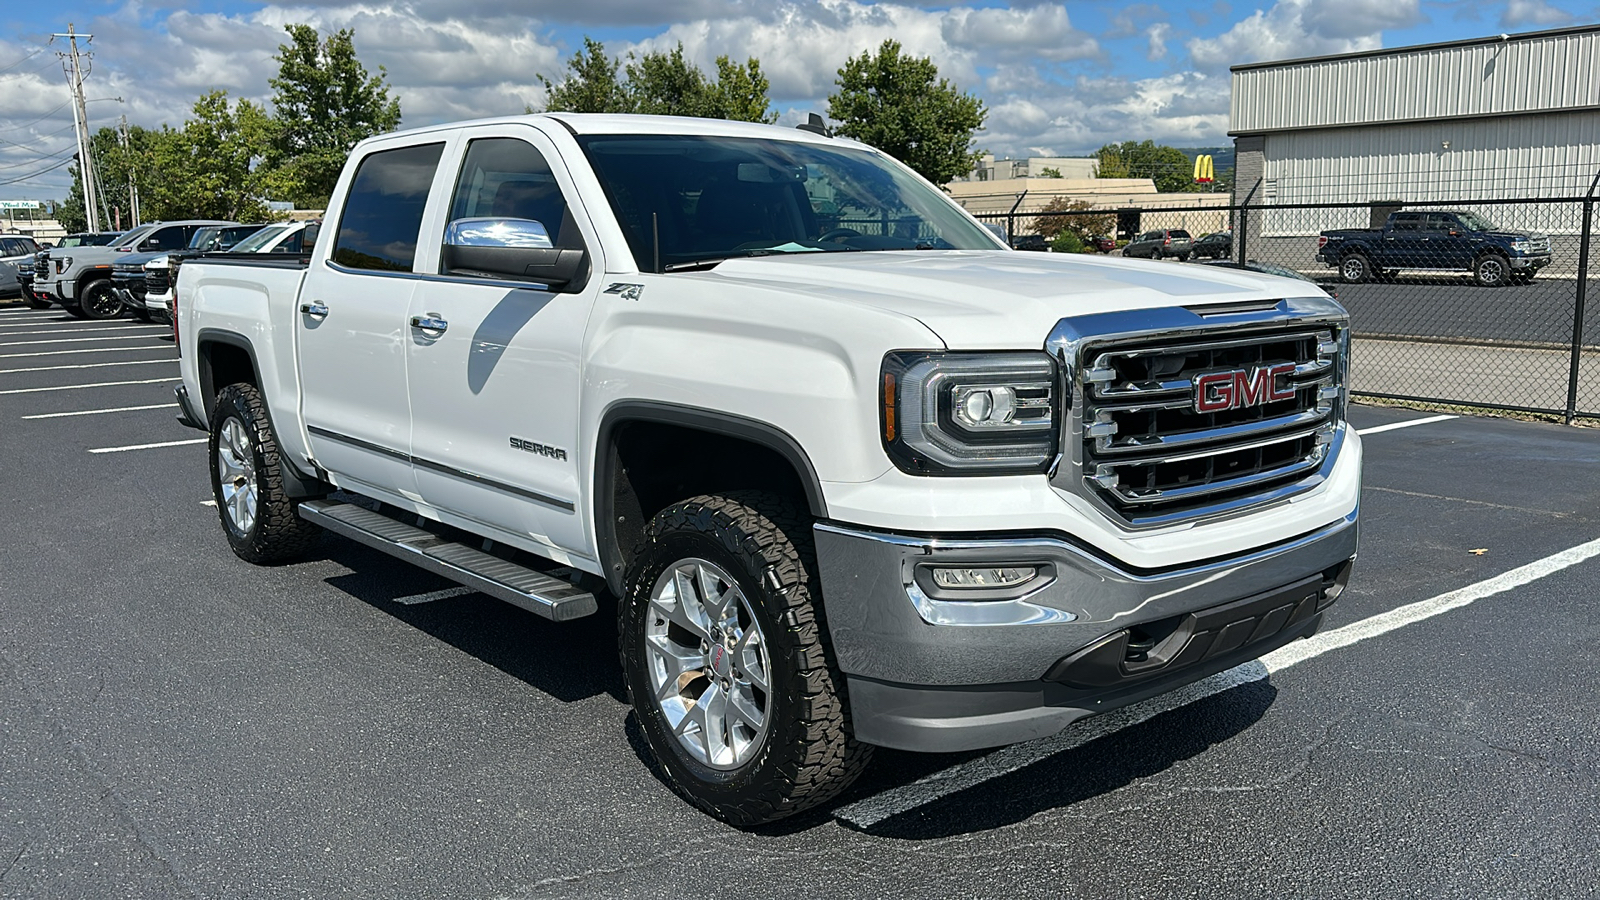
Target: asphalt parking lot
177, 723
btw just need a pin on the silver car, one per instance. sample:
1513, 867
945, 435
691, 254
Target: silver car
16, 250
1159, 244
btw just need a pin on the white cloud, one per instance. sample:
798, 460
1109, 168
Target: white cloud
1522, 13
1157, 34
1295, 28
1042, 32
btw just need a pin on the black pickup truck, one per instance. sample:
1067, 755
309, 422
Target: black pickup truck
1439, 240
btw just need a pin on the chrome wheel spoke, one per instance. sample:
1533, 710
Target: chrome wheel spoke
708, 664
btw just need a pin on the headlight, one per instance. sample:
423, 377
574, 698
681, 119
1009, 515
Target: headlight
1521, 246
970, 413
63, 263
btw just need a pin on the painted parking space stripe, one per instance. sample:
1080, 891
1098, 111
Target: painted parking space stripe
90, 365
86, 350
98, 412
79, 387
1379, 429
93, 340
431, 596
157, 329
76, 323
149, 446
872, 810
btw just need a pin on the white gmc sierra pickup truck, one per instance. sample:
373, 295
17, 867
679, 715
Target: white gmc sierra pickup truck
848, 470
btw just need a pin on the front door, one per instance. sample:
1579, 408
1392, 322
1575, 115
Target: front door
494, 366
351, 321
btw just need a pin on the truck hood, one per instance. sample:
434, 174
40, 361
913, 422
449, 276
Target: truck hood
998, 299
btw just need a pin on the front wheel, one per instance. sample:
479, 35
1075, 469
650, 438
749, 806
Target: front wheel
261, 521
100, 301
1491, 270
725, 653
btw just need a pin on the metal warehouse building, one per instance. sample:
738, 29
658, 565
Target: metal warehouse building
1496, 117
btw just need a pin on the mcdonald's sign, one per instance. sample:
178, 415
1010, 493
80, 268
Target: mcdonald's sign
1204, 171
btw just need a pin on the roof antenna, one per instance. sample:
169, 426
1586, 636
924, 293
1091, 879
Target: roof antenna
815, 125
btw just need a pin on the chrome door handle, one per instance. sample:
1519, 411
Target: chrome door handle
314, 309
429, 322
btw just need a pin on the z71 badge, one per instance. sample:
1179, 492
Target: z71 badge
541, 449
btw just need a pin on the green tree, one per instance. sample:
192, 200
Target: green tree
1063, 216
1050, 173
208, 168
660, 83
1168, 167
899, 104
324, 102
590, 86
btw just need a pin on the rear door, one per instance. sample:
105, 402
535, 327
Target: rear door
1402, 243
351, 322
493, 361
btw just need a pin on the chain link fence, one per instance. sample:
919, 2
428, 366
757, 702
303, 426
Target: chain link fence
1470, 302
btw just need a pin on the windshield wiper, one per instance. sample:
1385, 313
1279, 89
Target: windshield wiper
713, 261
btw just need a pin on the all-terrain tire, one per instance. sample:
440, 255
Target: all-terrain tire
277, 533
809, 753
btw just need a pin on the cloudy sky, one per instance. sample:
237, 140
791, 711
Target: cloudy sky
1058, 78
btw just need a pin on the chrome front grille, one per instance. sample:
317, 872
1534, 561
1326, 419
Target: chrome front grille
1155, 434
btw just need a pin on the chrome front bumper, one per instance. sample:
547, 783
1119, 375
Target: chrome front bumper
946, 675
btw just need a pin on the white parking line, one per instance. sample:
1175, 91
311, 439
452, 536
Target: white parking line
148, 446
96, 412
875, 809
96, 340
88, 350
77, 323
1378, 429
123, 330
445, 594
210, 503
79, 387
129, 362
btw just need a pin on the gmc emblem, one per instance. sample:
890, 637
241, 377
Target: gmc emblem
1222, 391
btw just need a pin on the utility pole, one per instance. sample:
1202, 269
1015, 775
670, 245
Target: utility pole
73, 66
133, 188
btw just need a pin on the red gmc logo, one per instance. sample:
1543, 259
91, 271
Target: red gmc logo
1222, 391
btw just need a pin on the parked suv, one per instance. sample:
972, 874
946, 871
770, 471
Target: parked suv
79, 278
16, 253
1158, 244
1216, 245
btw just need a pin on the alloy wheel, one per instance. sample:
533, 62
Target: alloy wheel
236, 473
708, 664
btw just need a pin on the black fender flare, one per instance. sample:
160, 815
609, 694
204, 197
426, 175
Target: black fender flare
623, 412
296, 483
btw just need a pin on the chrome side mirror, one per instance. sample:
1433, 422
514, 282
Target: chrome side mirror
505, 248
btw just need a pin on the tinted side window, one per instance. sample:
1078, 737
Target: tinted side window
1440, 222
10, 247
383, 212
505, 178
175, 238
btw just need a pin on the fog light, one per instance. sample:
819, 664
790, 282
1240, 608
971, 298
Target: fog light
998, 577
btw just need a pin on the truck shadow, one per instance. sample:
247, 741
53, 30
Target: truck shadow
1065, 779
570, 661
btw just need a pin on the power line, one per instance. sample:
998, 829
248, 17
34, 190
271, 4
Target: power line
40, 119
36, 160
33, 175
23, 60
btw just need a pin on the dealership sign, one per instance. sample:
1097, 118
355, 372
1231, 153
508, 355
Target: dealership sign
21, 204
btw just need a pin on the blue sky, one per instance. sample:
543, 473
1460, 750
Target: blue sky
1058, 78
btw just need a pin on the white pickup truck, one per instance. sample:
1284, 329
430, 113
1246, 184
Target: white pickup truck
848, 470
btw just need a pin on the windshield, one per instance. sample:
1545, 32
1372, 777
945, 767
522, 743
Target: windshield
1475, 222
132, 238
702, 199
255, 242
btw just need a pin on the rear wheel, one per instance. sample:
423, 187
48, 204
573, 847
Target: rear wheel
99, 301
1183, 257
1355, 268
1491, 270
727, 663
262, 523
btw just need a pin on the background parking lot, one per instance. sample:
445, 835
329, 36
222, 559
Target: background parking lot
177, 723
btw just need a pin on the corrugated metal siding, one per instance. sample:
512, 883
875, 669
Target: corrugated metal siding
1556, 155
1520, 75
